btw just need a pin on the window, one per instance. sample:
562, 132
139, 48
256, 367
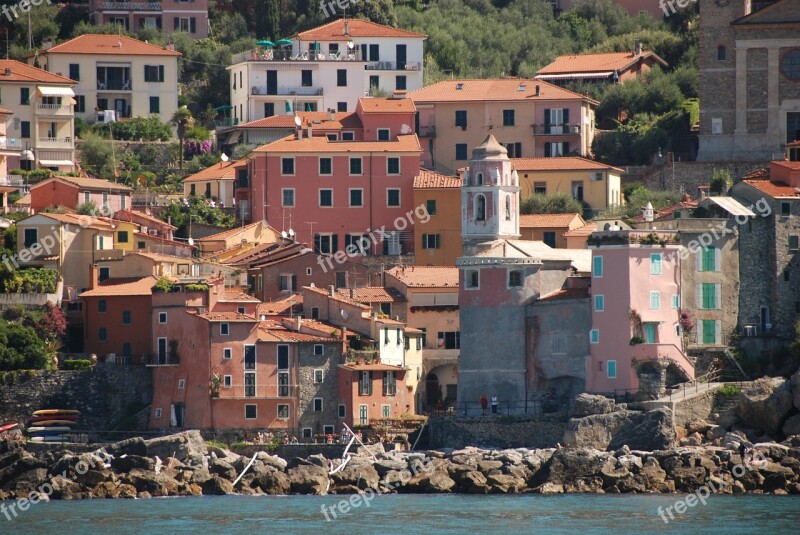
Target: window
392, 197
386, 308
319, 350
383, 134
550, 239
721, 53
400, 82
710, 296
314, 313
790, 64
250, 385
269, 109
305, 78
540, 187
515, 278
307, 432
708, 333
162, 318
611, 368
24, 95
101, 305
283, 412
431, 241
392, 166
224, 329
122, 236
75, 72
651, 332
287, 166
356, 244
249, 357
123, 201
355, 166
786, 209
655, 264
448, 340
342, 411
326, 243
794, 243
508, 117
399, 336
389, 384
126, 317
341, 77
365, 384
676, 301
430, 206
356, 197
554, 149
597, 266
472, 278
158, 413
347, 136
594, 336
31, 236
332, 137
181, 384
80, 103
363, 414
326, 166
25, 129
153, 73
480, 208
227, 353
326, 197
708, 259
461, 118
317, 404
514, 149
102, 334
386, 411
341, 107
599, 303
655, 300
104, 272
461, 151
288, 196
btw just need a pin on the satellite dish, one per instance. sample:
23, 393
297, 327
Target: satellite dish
224, 157
345, 315
351, 45
291, 232
405, 129
191, 241
297, 120
284, 235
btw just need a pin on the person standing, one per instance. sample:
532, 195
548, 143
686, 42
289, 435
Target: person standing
494, 403
484, 404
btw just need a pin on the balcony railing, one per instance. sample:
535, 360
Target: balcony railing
114, 85
168, 359
289, 55
365, 356
240, 391
288, 91
556, 129
427, 131
393, 66
55, 109
54, 141
130, 6
12, 180
10, 143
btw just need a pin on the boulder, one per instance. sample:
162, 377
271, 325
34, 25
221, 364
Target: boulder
222, 469
765, 403
126, 463
567, 465
695, 439
384, 466
588, 404
273, 483
653, 430
217, 486
505, 484
308, 479
152, 483
187, 447
796, 388
596, 431
131, 446
429, 483
791, 426
361, 477
271, 460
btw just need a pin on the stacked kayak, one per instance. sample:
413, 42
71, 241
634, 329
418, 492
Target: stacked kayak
52, 425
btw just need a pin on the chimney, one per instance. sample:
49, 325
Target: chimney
637, 47
8, 71
537, 90
346, 28
263, 317
310, 129
331, 114
299, 132
648, 212
298, 323
352, 293
94, 275
331, 290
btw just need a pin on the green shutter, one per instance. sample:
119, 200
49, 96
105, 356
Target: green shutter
709, 296
709, 259
709, 331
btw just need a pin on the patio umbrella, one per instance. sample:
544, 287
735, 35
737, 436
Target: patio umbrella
265, 43
315, 46
224, 107
283, 42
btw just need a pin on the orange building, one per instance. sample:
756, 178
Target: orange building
438, 241
373, 391
549, 228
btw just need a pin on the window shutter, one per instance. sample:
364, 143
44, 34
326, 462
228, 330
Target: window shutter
698, 295
438, 241
566, 148
294, 283
698, 261
717, 332
699, 330
546, 148
177, 22
718, 296
546, 120
566, 116
335, 243
717, 259
317, 244
160, 73
158, 23
193, 25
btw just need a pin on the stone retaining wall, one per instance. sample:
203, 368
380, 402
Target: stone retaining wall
497, 432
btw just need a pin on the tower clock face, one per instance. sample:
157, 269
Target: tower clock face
722, 3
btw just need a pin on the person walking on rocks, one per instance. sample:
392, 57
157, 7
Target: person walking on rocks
484, 404
494, 403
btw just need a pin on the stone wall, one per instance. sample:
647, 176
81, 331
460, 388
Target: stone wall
493, 432
102, 394
687, 176
309, 389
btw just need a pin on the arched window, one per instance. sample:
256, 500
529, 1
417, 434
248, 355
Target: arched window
480, 208
479, 179
508, 207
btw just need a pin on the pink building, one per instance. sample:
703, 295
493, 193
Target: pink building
72, 191
635, 312
373, 391
170, 15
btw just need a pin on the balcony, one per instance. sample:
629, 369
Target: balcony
54, 142
130, 6
166, 360
54, 109
240, 391
114, 85
393, 66
287, 91
363, 356
288, 55
427, 131
12, 180
556, 129
10, 143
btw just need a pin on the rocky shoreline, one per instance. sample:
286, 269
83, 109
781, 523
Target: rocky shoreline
183, 465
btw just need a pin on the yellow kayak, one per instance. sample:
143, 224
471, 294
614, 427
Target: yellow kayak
50, 412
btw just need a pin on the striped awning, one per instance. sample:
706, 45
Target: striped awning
52, 91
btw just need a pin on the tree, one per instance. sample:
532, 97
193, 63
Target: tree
43, 26
182, 120
551, 203
20, 348
720, 182
267, 19
96, 156
87, 208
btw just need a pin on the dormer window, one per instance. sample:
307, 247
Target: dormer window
459, 87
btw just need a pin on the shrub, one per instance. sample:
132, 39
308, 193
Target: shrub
729, 390
636, 340
164, 286
77, 364
196, 287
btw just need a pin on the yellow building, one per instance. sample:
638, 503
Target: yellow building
549, 228
590, 182
123, 235
438, 242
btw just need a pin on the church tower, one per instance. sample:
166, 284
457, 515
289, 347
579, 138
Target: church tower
489, 197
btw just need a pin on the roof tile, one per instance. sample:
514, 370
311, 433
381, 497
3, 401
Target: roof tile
317, 144
433, 180
561, 163
773, 189
334, 31
111, 44
587, 63
218, 171
503, 89
387, 105
426, 276
22, 72
122, 287
548, 220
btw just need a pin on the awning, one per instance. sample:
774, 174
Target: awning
574, 75
51, 91
234, 137
56, 163
729, 204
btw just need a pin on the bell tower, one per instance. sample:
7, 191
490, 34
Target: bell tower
489, 197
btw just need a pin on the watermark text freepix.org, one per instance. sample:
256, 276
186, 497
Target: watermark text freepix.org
23, 5
668, 6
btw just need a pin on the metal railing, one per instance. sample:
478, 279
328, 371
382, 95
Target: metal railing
556, 129
54, 140
114, 85
241, 391
427, 131
533, 407
10, 143
130, 6
289, 55
287, 91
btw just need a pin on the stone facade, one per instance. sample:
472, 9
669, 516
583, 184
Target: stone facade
521, 432
687, 177
309, 389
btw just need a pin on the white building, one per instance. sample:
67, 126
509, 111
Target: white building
118, 73
329, 67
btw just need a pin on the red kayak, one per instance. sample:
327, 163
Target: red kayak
7, 427
70, 417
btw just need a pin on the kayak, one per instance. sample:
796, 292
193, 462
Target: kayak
7, 427
46, 412
53, 438
47, 430
50, 423
70, 417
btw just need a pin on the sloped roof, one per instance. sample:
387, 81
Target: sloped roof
773, 188
164, 258
336, 296
71, 218
781, 12
549, 220
218, 171
4, 111
372, 295
316, 144
580, 259
237, 296
341, 120
585, 230
426, 276
86, 183
566, 294
502, 89
335, 31
122, 287
22, 72
281, 306
225, 234
561, 163
130, 215
387, 105
118, 45
592, 63
433, 180
757, 174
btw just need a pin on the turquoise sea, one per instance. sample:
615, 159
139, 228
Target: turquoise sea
417, 514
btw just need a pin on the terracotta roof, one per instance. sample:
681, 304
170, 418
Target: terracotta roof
565, 294
5, 189
561, 163
373, 295
130, 215
22, 72
503, 89
433, 180
794, 166
668, 211
373, 367
281, 306
585, 230
321, 326
773, 189
86, 183
793, 144
237, 296
143, 236
335, 296
225, 234
25, 200
758, 174
591, 63
387, 105
274, 333
316, 144
84, 221
350, 119
4, 111
117, 45
426, 276
226, 316
218, 171
158, 257
122, 287
548, 220
334, 31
